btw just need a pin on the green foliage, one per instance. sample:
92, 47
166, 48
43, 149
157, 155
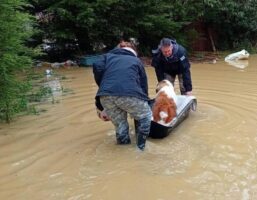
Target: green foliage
39, 94
235, 21
94, 23
15, 28
103, 22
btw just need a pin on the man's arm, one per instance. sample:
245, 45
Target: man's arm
143, 78
98, 69
186, 75
98, 103
158, 66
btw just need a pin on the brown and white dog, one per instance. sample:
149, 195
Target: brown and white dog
165, 105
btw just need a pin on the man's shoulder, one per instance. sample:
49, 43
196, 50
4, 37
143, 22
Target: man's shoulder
181, 50
157, 55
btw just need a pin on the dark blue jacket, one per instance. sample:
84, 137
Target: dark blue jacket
178, 63
120, 73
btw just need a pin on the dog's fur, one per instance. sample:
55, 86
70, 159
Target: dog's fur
165, 105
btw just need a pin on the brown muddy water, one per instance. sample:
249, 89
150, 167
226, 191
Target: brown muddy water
67, 153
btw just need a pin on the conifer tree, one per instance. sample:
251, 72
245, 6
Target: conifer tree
15, 29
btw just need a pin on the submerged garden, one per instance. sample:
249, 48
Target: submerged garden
36, 31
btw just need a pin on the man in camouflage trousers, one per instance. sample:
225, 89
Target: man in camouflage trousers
123, 90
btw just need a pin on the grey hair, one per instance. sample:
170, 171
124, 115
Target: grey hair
165, 42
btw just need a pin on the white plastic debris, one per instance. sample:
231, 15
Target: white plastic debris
241, 64
240, 55
48, 72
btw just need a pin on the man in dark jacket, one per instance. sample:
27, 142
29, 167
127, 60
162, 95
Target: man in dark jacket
170, 60
123, 89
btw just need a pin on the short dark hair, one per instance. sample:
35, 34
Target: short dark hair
131, 45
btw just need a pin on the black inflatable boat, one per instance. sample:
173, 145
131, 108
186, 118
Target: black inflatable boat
185, 104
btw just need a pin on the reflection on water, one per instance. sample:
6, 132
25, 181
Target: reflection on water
67, 153
54, 84
241, 64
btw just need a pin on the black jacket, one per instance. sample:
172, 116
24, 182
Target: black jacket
120, 73
178, 63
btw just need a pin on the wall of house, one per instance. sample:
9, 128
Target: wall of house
203, 41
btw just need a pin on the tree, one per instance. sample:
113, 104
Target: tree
93, 23
15, 29
235, 21
97, 23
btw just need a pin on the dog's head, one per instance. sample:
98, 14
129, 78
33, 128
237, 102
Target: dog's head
162, 84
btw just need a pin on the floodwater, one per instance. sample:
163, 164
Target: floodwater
67, 153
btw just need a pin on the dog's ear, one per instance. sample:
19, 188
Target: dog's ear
171, 115
173, 104
158, 87
155, 111
171, 110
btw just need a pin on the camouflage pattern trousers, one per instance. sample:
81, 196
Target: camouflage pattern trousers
118, 107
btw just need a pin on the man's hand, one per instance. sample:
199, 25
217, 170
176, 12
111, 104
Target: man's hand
102, 115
